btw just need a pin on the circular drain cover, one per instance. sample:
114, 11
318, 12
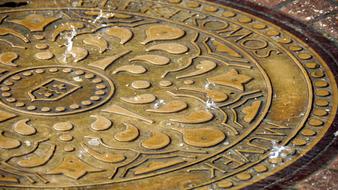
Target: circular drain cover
157, 94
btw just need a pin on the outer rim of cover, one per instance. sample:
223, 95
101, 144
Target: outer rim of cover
327, 147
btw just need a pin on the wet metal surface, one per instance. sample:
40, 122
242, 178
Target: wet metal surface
154, 95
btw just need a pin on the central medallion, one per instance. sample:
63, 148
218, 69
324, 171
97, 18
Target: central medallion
52, 90
55, 90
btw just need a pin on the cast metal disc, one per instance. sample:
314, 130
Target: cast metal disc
172, 94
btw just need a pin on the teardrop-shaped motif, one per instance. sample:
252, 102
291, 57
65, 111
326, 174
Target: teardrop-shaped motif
37, 160
173, 48
202, 137
140, 84
96, 41
200, 116
101, 123
63, 126
157, 140
124, 34
108, 60
216, 96
170, 107
79, 53
76, 54
129, 134
134, 69
44, 55
7, 142
140, 99
204, 67
23, 128
153, 59
7, 58
162, 32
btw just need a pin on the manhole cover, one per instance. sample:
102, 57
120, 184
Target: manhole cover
154, 95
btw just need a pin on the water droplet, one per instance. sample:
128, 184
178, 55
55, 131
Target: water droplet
28, 143
158, 104
210, 104
78, 79
335, 134
94, 142
209, 85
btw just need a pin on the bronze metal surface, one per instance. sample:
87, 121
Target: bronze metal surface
172, 94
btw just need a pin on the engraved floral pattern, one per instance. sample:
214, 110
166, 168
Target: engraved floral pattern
172, 104
123, 97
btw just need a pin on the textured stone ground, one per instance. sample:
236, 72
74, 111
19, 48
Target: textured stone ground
322, 16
